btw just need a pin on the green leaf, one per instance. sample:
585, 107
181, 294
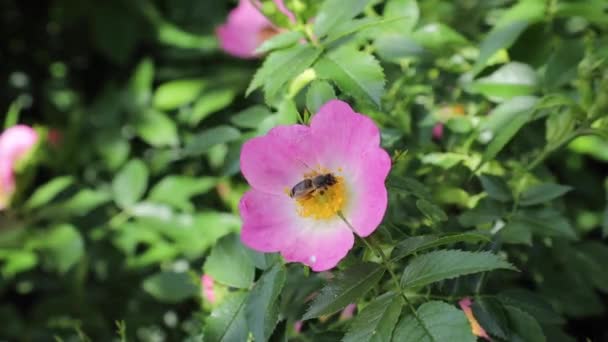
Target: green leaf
563, 64
280, 41
442, 321
559, 124
406, 10
229, 264
460, 124
177, 190
445, 160
496, 188
346, 288
355, 72
524, 326
431, 211
333, 13
510, 80
377, 321
439, 37
532, 303
281, 67
251, 117
546, 222
210, 102
501, 37
17, 261
410, 186
174, 94
516, 231
202, 142
491, 315
504, 113
156, 128
262, 308
227, 322
486, 211
417, 244
393, 47
530, 11
129, 185
170, 287
261, 260
349, 29
510, 129
47, 192
542, 193
447, 264
592, 10
140, 84
80, 204
605, 222
319, 92
64, 245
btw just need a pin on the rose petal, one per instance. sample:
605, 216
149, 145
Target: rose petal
268, 221
277, 161
271, 224
320, 245
476, 328
342, 136
15, 142
240, 35
369, 197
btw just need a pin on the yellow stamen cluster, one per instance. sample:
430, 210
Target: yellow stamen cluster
323, 203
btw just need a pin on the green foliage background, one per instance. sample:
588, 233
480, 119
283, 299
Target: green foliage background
113, 225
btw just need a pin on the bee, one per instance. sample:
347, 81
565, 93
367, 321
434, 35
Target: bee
309, 185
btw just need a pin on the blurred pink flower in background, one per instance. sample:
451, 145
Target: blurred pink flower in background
340, 146
465, 305
207, 288
15, 143
247, 28
438, 131
443, 115
297, 326
54, 137
348, 312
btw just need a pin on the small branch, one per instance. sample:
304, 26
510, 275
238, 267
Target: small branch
387, 265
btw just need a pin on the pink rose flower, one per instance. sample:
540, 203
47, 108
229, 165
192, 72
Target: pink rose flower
247, 28
340, 152
297, 326
438, 131
15, 142
207, 287
465, 305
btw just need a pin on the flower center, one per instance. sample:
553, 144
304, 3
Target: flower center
323, 202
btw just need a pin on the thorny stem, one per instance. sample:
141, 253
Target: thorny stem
387, 264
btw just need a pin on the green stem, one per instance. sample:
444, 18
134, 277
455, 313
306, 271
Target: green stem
553, 147
387, 265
